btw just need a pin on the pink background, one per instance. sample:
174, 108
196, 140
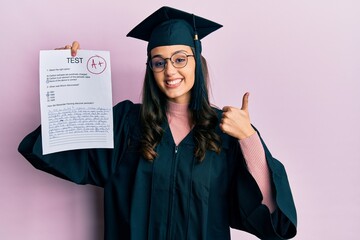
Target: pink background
299, 59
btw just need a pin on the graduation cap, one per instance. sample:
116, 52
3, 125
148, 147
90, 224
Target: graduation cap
169, 26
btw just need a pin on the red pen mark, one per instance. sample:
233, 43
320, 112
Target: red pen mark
93, 65
96, 64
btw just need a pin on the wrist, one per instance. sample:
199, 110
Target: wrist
246, 133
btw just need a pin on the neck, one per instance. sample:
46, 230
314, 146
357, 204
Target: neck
179, 119
177, 108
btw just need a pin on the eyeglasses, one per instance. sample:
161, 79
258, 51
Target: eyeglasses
178, 60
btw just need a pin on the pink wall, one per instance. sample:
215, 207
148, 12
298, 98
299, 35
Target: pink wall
299, 59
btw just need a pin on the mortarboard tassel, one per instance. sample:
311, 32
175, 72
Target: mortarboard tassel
199, 93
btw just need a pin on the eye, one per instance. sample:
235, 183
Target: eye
158, 62
179, 59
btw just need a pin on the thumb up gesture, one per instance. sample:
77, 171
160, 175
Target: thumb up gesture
236, 122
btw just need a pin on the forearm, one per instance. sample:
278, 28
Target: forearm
254, 155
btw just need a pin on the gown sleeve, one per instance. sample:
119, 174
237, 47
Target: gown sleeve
247, 211
83, 166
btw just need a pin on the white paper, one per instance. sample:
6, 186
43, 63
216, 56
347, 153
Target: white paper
75, 100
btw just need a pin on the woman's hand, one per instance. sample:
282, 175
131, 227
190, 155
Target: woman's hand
236, 122
74, 47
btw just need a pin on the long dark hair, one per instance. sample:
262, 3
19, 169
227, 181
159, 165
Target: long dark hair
153, 114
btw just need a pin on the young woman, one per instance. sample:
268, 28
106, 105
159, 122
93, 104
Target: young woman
180, 169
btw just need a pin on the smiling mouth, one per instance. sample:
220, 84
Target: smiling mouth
173, 82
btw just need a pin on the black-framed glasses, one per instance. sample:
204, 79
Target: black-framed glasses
178, 60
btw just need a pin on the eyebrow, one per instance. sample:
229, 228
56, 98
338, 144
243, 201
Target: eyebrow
178, 51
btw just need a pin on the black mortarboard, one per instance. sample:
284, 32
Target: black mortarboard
169, 26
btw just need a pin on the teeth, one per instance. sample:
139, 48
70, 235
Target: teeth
173, 82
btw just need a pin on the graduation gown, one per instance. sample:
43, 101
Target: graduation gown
175, 196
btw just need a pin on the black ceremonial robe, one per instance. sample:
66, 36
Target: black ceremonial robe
175, 196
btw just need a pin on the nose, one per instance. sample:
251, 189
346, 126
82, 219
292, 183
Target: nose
169, 68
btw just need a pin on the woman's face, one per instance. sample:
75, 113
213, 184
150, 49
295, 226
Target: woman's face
175, 83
